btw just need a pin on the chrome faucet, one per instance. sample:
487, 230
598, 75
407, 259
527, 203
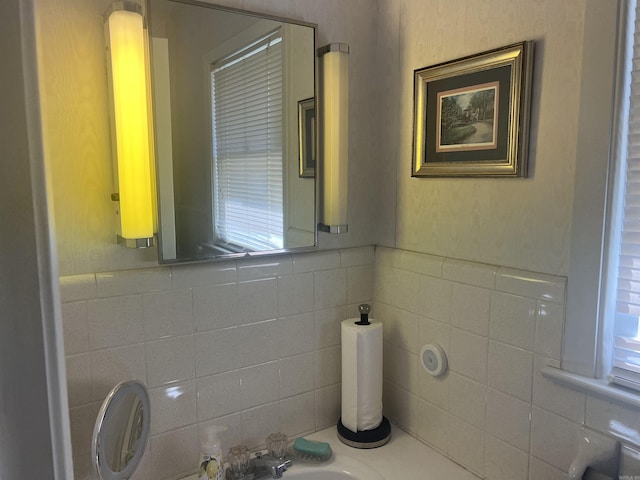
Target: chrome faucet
261, 466
265, 465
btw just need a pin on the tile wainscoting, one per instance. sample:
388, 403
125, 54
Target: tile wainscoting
255, 345
250, 344
493, 411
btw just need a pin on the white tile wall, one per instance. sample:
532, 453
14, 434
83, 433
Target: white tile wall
115, 321
468, 354
296, 334
494, 323
617, 420
549, 327
217, 351
504, 462
467, 399
259, 384
297, 414
432, 422
510, 369
470, 308
174, 407
295, 375
126, 282
113, 365
168, 313
493, 411
255, 346
513, 320
555, 398
508, 419
467, 444
214, 306
553, 438
295, 293
172, 453
539, 470
76, 327
327, 326
327, 405
469, 273
170, 360
257, 423
218, 395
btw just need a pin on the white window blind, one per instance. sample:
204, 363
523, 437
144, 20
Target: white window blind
626, 244
247, 109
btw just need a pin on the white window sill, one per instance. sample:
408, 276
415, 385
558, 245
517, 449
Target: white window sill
594, 386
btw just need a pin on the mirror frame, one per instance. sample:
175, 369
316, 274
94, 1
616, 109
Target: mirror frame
316, 78
109, 406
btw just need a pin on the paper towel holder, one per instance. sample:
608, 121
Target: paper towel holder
373, 437
365, 438
364, 309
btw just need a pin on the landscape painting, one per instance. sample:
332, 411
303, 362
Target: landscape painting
467, 118
471, 115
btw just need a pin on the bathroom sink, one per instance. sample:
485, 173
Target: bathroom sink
324, 475
340, 467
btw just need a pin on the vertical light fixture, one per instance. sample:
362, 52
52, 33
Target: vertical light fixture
334, 134
133, 160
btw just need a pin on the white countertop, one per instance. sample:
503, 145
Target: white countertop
403, 457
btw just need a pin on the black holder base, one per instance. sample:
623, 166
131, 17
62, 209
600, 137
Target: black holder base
366, 438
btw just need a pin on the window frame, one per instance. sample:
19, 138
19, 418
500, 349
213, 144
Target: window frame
587, 338
592, 189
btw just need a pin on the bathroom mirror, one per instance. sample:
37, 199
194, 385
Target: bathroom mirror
229, 89
121, 431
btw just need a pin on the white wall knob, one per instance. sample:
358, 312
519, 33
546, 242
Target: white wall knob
434, 360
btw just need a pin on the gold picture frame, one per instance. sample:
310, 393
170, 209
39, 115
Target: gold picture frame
471, 116
307, 137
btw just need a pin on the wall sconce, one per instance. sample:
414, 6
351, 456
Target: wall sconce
132, 147
334, 132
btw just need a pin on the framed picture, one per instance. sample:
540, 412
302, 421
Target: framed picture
307, 137
471, 116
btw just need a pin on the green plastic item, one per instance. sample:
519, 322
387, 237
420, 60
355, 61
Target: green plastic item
312, 451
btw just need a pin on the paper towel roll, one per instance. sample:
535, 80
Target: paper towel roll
361, 375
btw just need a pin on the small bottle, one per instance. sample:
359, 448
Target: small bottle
211, 467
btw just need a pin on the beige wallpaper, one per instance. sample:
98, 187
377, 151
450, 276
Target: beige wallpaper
522, 223
76, 135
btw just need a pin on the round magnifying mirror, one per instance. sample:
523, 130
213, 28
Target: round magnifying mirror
121, 431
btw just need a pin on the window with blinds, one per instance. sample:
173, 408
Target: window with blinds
625, 243
247, 111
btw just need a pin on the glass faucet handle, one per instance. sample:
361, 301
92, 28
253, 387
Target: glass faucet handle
277, 444
238, 459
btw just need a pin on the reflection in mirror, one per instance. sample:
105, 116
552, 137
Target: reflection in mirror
121, 431
226, 93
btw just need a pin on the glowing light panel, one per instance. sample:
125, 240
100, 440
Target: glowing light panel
334, 68
131, 130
